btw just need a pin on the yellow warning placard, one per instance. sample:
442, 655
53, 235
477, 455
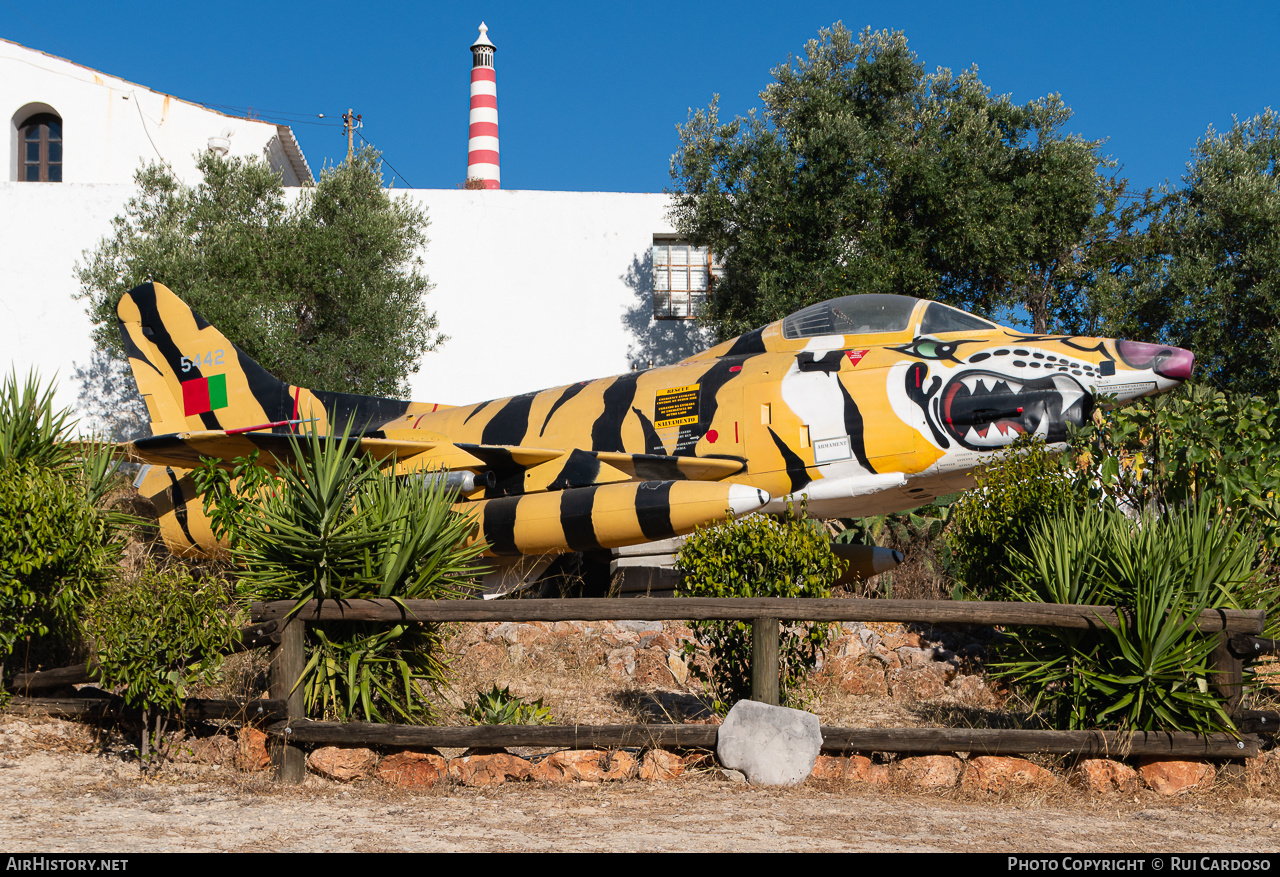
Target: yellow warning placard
676, 406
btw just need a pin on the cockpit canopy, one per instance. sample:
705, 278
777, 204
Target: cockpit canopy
875, 314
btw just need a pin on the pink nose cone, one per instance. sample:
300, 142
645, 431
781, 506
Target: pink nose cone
1169, 362
1179, 365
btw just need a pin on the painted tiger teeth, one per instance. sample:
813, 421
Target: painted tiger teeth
988, 383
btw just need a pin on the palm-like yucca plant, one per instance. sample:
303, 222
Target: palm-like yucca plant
32, 431
1151, 670
339, 529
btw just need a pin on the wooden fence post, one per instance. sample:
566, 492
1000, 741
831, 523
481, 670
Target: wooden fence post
1228, 678
287, 662
764, 660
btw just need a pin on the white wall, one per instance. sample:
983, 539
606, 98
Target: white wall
44, 228
111, 126
535, 289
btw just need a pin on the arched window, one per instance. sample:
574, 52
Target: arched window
40, 149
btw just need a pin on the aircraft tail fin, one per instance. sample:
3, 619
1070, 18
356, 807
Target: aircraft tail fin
194, 379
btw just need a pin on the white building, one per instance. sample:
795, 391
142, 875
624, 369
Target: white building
534, 288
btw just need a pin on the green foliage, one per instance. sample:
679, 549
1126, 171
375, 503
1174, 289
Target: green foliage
232, 499
756, 556
1015, 490
338, 529
56, 551
1211, 280
56, 546
1151, 671
1171, 450
501, 707
158, 636
865, 174
325, 291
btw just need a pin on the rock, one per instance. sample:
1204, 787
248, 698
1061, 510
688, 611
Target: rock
508, 631
584, 766
207, 750
849, 646
771, 745
995, 773
343, 763
863, 770
679, 669
971, 690
1168, 776
660, 640
917, 683
619, 765
1103, 775
830, 767
251, 750
659, 764
651, 669
733, 776
485, 771
865, 680
930, 771
413, 770
622, 662
914, 657
896, 637
640, 626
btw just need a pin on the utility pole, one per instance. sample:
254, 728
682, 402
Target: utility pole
350, 122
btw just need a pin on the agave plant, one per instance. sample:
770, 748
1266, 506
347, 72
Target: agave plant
32, 431
501, 707
337, 528
1151, 670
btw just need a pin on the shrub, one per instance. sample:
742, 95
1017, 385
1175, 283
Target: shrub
1150, 671
56, 546
231, 499
1015, 491
756, 556
1171, 450
155, 638
338, 529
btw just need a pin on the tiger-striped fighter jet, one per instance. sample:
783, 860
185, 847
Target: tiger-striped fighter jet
861, 405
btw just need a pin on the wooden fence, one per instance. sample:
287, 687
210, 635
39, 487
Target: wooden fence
1236, 630
285, 720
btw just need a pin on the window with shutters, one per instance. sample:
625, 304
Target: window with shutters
682, 276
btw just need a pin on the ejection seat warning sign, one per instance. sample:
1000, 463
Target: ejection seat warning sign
676, 406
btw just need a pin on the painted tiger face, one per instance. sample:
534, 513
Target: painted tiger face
981, 394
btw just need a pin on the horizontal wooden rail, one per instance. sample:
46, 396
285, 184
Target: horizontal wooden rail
982, 741
193, 709
739, 609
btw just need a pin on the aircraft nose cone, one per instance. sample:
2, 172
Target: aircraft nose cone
1169, 362
1179, 365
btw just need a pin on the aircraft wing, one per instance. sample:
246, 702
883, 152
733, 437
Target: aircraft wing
517, 469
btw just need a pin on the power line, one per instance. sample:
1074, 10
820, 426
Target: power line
274, 115
387, 163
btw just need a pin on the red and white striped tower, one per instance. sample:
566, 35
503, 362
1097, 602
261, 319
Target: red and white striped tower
482, 145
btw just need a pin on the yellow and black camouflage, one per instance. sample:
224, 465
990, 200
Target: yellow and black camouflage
861, 405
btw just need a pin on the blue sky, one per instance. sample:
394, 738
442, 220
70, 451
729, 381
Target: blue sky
589, 96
